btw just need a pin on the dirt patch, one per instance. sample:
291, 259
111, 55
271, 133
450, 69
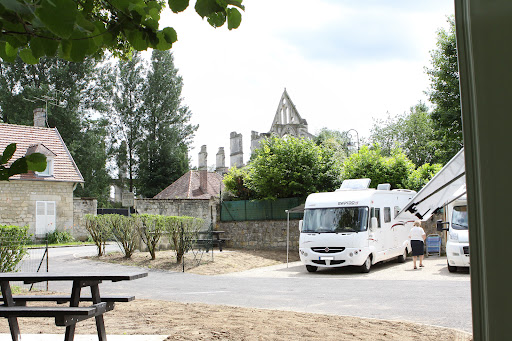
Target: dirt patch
223, 262
183, 321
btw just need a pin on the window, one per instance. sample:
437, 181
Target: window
376, 213
45, 217
387, 214
397, 210
49, 168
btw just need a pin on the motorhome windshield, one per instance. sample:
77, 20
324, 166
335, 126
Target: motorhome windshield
335, 220
460, 218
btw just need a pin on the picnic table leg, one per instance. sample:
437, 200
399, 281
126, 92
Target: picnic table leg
75, 300
13, 321
100, 323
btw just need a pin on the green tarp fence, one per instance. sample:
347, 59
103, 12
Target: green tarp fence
259, 210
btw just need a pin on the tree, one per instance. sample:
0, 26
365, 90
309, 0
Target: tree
337, 141
74, 85
74, 29
235, 182
163, 152
370, 163
291, 167
412, 132
423, 174
128, 88
444, 94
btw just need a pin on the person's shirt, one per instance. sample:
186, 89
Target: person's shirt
417, 233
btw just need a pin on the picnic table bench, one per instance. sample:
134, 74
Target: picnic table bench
15, 306
212, 239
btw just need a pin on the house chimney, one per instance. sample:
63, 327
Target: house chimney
40, 117
203, 169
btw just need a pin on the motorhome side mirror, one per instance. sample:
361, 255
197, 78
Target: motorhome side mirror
300, 225
439, 226
374, 223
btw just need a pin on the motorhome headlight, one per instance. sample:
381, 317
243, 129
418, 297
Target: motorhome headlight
351, 254
356, 252
454, 236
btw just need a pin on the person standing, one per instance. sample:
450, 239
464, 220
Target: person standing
417, 237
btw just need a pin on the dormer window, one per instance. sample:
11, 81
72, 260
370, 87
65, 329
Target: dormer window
49, 167
50, 156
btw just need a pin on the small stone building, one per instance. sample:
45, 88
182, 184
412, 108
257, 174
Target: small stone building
41, 200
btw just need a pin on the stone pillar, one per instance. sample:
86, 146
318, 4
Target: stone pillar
221, 161
40, 117
203, 169
237, 151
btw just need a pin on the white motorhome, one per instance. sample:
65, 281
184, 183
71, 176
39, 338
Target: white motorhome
354, 225
457, 243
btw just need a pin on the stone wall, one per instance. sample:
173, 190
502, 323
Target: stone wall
260, 234
81, 207
19, 199
204, 209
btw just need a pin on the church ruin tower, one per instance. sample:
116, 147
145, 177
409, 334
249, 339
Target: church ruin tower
220, 166
236, 150
287, 121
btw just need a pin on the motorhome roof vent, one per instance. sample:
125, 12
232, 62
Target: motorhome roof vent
384, 187
355, 184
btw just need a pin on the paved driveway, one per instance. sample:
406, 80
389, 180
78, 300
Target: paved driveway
392, 291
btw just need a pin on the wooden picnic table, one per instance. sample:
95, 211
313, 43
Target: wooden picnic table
15, 306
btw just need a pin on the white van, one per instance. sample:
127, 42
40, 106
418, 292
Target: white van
354, 226
457, 243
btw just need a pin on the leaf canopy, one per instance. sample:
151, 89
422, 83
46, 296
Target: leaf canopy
74, 29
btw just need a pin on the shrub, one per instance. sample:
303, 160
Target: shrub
124, 231
150, 227
59, 237
12, 246
182, 232
98, 231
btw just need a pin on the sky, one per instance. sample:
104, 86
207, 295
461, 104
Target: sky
343, 63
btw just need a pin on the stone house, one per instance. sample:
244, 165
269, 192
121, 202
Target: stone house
41, 200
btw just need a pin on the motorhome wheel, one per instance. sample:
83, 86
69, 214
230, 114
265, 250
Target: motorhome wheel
402, 258
311, 268
365, 268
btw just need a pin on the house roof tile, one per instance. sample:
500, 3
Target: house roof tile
31, 139
187, 187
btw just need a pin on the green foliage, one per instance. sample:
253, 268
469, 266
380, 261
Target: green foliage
99, 230
165, 129
76, 29
412, 132
124, 230
370, 163
59, 237
291, 167
423, 174
12, 246
150, 228
182, 232
444, 94
396, 169
235, 183
33, 162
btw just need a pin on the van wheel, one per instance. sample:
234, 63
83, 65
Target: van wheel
403, 257
451, 268
365, 268
311, 268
